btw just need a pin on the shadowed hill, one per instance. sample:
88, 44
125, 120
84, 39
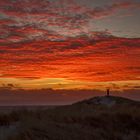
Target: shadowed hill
98, 118
109, 101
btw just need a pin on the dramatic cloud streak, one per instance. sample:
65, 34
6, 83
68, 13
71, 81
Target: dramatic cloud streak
54, 39
48, 17
98, 57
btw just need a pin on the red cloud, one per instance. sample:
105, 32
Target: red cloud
94, 58
43, 39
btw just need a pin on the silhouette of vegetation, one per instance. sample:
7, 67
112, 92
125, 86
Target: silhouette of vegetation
80, 121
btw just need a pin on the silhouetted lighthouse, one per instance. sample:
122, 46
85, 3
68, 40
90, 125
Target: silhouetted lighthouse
108, 92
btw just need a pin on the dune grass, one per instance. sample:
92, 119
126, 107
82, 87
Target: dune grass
76, 122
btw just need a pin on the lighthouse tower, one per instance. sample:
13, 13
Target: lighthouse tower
108, 92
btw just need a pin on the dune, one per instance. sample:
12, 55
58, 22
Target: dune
98, 118
108, 101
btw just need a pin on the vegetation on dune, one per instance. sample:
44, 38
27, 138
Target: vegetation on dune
81, 121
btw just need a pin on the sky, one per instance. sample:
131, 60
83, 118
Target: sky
69, 45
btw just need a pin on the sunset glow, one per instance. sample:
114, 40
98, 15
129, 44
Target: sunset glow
70, 44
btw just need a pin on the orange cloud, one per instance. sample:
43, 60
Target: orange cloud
95, 58
43, 39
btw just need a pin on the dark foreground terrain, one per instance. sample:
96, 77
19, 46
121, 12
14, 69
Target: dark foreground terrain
99, 118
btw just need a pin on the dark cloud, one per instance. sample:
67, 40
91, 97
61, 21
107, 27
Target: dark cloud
49, 96
61, 17
108, 10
